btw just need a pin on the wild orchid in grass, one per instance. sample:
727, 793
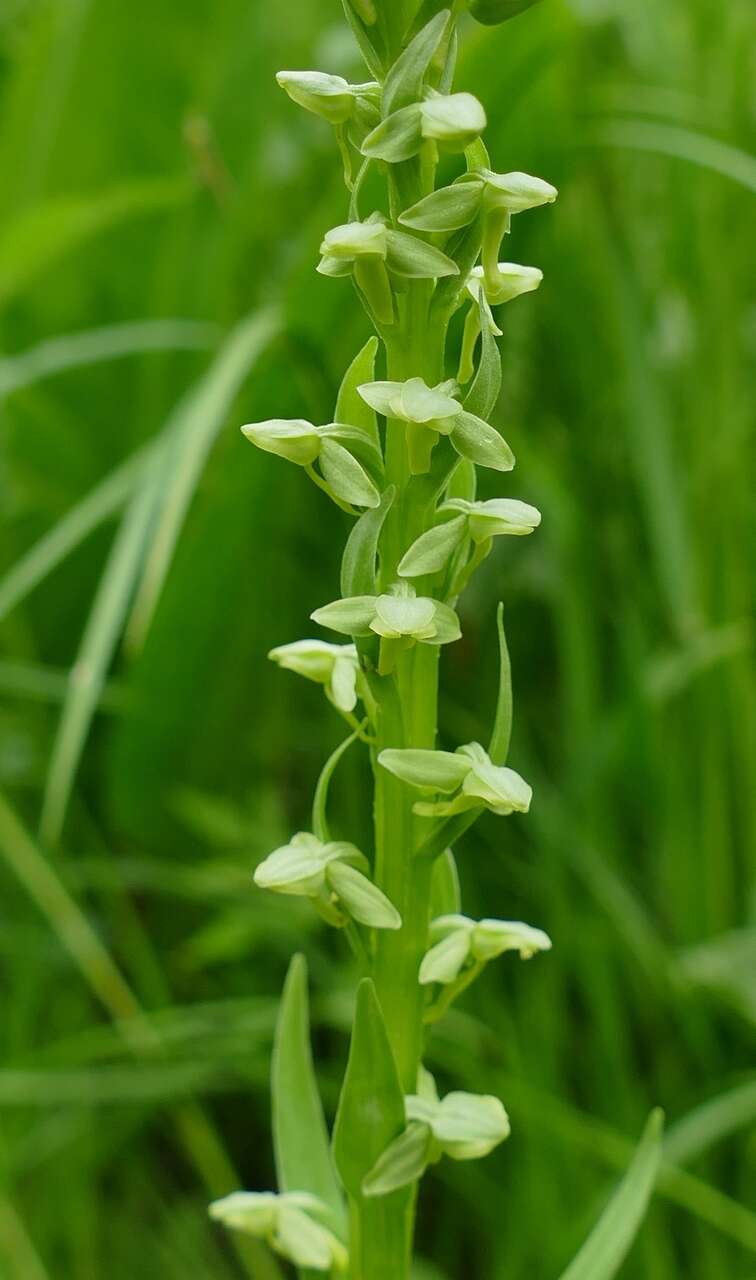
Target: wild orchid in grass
400, 457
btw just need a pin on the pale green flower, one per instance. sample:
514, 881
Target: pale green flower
464, 1126
459, 941
334, 874
469, 772
291, 1223
335, 666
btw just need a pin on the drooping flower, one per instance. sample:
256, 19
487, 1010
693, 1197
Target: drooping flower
334, 875
292, 1223
335, 666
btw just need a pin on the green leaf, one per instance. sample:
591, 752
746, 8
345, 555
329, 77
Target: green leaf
404, 82
402, 1163
427, 770
446, 898
413, 258
486, 384
397, 138
350, 407
475, 439
300, 1137
371, 1107
498, 747
493, 12
364, 901
606, 1247
431, 551
193, 429
448, 209
370, 45
351, 616
463, 482
358, 567
346, 477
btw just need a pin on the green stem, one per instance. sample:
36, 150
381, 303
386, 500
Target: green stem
406, 716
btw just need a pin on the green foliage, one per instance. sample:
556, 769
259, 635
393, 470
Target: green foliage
300, 1137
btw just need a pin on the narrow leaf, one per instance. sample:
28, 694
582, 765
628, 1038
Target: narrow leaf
498, 747
402, 1163
477, 440
396, 138
486, 384
408, 256
431, 551
358, 567
448, 209
300, 1137
446, 897
194, 427
346, 477
404, 82
371, 1107
493, 12
369, 44
428, 770
350, 407
364, 901
606, 1247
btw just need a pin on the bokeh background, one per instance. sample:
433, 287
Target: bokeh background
161, 205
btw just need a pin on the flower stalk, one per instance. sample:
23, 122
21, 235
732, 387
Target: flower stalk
400, 457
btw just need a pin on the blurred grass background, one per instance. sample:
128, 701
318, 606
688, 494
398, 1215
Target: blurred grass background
161, 205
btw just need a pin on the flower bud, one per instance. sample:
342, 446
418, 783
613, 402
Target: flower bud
296, 440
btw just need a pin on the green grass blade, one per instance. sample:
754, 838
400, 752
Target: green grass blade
194, 429
36, 239
98, 644
300, 1136
93, 346
99, 505
606, 1247
681, 144
498, 747
711, 1123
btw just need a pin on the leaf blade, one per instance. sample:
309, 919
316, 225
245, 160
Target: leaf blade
606, 1247
300, 1137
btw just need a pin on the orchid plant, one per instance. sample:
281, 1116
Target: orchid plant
400, 458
